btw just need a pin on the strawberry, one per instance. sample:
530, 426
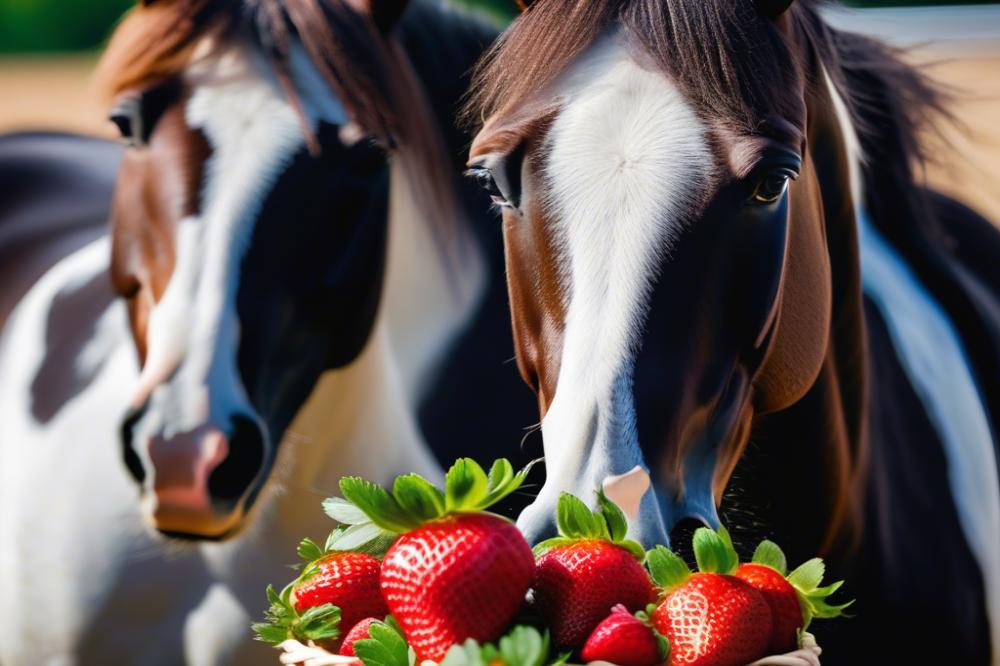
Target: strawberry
794, 601
581, 574
626, 640
711, 618
360, 631
455, 572
336, 588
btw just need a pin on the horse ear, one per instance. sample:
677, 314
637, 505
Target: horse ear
772, 9
385, 13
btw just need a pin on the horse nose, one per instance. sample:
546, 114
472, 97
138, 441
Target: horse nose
200, 479
681, 536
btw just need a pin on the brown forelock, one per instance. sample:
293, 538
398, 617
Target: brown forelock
156, 41
157, 187
365, 69
729, 62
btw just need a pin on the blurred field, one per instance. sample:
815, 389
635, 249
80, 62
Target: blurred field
55, 92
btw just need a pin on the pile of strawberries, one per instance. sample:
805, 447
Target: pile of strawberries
421, 575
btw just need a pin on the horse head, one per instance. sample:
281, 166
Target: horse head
667, 250
249, 230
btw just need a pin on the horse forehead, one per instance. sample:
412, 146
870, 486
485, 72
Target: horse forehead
626, 147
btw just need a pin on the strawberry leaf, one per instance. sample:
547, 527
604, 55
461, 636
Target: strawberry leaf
418, 497
283, 622
547, 545
613, 516
714, 551
309, 551
465, 485
667, 568
274, 634
503, 481
770, 554
344, 511
663, 644
367, 538
808, 576
385, 647
813, 598
576, 520
376, 502
522, 646
318, 623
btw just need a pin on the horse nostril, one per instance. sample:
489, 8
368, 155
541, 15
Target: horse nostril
230, 480
681, 535
126, 434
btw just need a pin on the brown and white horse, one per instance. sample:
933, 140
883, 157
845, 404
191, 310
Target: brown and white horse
273, 263
723, 270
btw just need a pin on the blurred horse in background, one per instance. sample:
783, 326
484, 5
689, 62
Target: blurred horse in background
291, 257
723, 272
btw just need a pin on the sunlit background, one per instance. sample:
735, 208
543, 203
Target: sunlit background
48, 49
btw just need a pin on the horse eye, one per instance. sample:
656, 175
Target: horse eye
484, 177
770, 188
127, 116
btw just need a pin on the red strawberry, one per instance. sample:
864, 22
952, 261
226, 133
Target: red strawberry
336, 589
710, 618
358, 632
456, 572
581, 574
349, 581
793, 601
626, 640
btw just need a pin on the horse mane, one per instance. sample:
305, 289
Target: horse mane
724, 57
366, 69
732, 64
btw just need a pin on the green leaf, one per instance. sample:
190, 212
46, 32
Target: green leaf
465, 485
385, 647
501, 485
376, 502
614, 517
524, 645
318, 623
464, 654
714, 551
547, 545
344, 511
633, 547
576, 520
770, 554
275, 634
667, 568
501, 474
808, 576
418, 497
309, 551
367, 538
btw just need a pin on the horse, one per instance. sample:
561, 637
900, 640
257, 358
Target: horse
278, 280
736, 302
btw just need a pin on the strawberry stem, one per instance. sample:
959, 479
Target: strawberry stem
667, 568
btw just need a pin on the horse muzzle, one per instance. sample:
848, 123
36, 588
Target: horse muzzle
198, 484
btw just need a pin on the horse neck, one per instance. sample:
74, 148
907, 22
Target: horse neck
357, 421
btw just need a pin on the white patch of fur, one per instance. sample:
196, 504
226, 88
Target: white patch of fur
934, 359
194, 329
627, 154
